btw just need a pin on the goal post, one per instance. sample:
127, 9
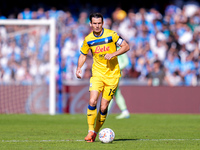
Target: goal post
52, 54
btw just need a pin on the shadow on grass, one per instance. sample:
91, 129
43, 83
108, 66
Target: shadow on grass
126, 139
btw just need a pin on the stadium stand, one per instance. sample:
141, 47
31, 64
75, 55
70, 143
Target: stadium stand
173, 37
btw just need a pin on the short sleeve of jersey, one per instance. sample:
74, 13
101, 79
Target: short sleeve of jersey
117, 39
85, 48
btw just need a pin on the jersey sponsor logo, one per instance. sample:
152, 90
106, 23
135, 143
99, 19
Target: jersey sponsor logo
100, 41
102, 49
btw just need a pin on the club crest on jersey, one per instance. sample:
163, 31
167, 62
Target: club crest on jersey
106, 40
101, 49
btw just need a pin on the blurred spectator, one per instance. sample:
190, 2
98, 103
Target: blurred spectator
190, 8
40, 13
190, 78
157, 76
26, 14
159, 46
174, 79
172, 63
183, 53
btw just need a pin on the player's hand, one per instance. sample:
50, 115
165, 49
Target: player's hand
108, 56
78, 73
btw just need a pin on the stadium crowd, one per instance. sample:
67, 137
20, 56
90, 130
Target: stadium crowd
172, 39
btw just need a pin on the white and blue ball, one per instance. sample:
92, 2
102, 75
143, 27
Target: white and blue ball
106, 135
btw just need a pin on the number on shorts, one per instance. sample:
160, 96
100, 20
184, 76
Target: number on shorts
112, 92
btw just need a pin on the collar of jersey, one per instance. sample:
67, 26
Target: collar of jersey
100, 34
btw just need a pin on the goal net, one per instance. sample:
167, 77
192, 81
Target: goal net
27, 66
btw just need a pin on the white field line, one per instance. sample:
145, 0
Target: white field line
21, 141
168, 140
18, 141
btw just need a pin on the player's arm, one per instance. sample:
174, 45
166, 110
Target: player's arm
124, 48
82, 58
81, 61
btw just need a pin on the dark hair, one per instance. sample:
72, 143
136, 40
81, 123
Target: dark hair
176, 73
157, 62
96, 15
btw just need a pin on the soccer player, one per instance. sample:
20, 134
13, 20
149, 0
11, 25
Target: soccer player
123, 62
105, 70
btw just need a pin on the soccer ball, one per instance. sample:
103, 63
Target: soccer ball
106, 135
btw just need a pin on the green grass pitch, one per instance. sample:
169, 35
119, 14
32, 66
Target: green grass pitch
139, 132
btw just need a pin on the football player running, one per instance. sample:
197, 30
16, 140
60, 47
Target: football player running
105, 70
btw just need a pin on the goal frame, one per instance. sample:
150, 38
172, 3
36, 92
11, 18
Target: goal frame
52, 42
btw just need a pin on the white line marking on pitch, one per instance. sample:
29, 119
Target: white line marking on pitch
167, 139
10, 141
18, 141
